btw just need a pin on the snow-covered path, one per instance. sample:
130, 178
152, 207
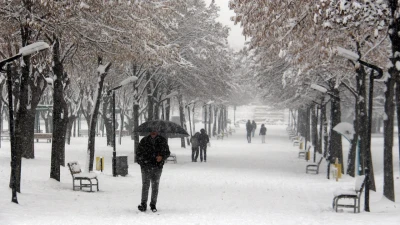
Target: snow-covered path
240, 183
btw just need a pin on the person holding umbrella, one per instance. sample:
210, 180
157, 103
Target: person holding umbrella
152, 152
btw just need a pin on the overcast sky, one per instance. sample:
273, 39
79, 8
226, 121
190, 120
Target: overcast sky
236, 39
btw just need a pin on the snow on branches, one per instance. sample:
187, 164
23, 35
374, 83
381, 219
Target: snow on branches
371, 15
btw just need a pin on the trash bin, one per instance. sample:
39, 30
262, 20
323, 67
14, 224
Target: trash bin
121, 165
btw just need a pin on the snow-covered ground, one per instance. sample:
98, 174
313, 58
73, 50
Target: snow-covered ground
240, 183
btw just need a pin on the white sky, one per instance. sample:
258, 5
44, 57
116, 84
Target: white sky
236, 39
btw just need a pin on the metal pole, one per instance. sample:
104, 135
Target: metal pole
14, 155
190, 122
370, 103
317, 147
234, 114
114, 159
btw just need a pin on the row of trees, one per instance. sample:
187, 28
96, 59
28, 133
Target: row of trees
293, 44
173, 48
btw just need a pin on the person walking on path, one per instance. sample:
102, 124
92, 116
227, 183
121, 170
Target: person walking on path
203, 141
249, 129
152, 152
195, 146
263, 132
254, 127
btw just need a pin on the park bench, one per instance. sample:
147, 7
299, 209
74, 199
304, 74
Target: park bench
314, 167
302, 152
123, 133
77, 175
296, 142
354, 194
171, 158
46, 136
220, 136
83, 133
292, 135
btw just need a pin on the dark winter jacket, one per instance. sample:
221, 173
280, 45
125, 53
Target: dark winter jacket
249, 127
149, 149
203, 138
263, 130
254, 125
195, 140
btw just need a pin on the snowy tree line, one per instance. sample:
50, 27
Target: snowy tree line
175, 48
293, 44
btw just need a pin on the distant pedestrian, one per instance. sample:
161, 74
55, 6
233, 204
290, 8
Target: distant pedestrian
263, 132
249, 129
203, 141
254, 127
195, 146
152, 151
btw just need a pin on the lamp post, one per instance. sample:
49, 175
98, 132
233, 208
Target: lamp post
24, 51
128, 80
355, 57
333, 96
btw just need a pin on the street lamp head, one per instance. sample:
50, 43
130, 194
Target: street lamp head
319, 88
128, 80
27, 50
345, 53
32, 48
210, 102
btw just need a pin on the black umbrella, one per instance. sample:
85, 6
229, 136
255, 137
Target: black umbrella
165, 128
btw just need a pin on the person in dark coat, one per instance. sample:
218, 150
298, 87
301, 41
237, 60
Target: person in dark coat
195, 146
203, 141
254, 127
263, 132
249, 129
151, 154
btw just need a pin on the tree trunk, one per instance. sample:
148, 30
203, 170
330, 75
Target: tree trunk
398, 112
150, 102
221, 113
190, 121
70, 130
215, 121
37, 85
135, 125
107, 118
225, 117
93, 118
314, 130
168, 109
388, 182
205, 117
394, 27
351, 160
182, 118
60, 110
194, 118
335, 145
21, 131
209, 121
29, 150
324, 124
363, 116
